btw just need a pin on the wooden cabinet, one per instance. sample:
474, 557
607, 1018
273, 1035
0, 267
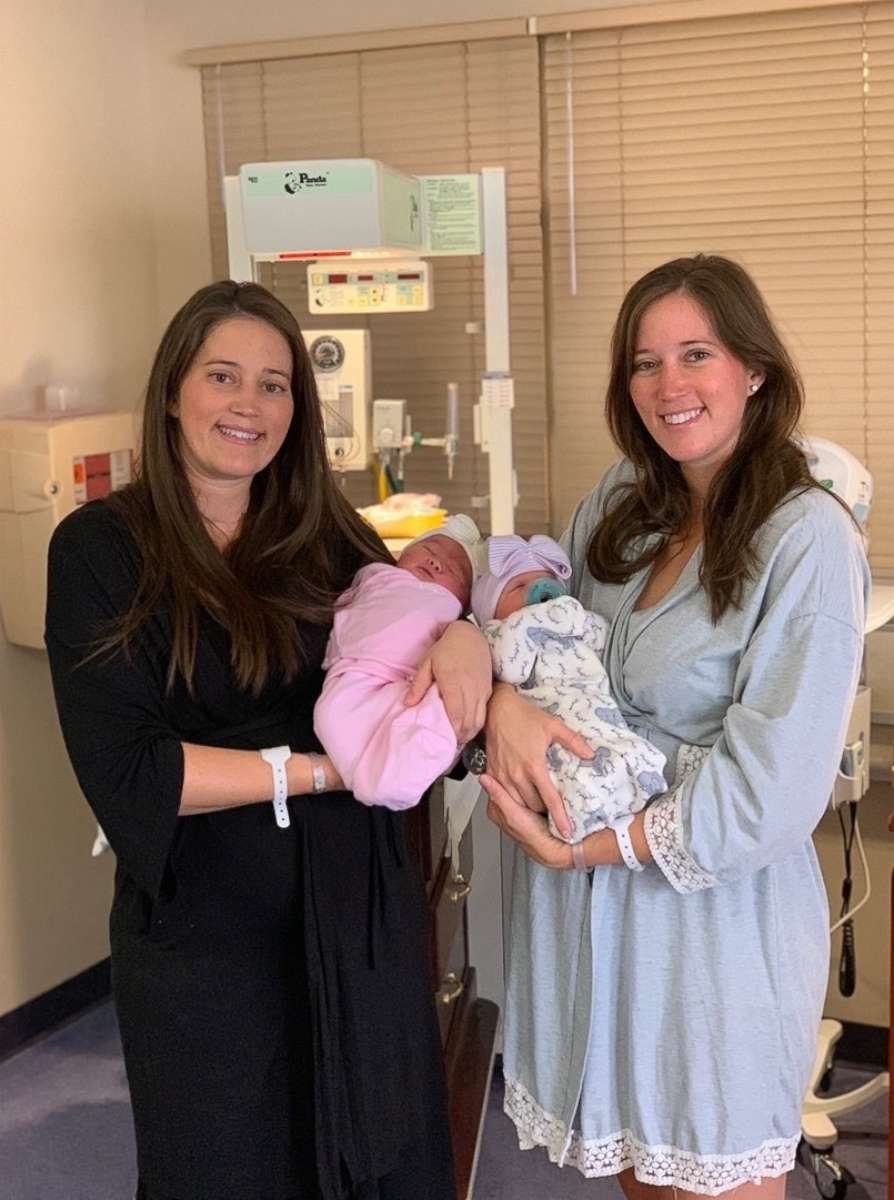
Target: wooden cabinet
468, 1023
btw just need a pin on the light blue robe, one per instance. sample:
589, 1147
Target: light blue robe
667, 1020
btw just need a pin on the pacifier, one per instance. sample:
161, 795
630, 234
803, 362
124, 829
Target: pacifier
545, 589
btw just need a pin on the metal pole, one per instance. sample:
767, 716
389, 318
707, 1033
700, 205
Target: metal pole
497, 397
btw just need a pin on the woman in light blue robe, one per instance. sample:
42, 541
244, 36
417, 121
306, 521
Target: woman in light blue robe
661, 1023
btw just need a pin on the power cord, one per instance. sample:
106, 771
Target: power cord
847, 963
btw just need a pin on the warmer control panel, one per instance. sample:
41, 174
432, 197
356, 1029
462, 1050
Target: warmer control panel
358, 286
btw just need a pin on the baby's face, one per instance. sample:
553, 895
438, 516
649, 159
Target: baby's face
514, 594
440, 560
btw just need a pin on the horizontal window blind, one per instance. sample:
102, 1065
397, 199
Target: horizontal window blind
879, 284
767, 138
453, 107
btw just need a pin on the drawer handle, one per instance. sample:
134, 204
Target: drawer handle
460, 889
451, 989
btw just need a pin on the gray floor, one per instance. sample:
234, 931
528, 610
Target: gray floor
65, 1131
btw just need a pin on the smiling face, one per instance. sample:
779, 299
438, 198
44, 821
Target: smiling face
441, 560
235, 404
688, 389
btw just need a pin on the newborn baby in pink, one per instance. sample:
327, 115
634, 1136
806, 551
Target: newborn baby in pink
384, 626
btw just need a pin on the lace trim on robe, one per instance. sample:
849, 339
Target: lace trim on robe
661, 1166
664, 824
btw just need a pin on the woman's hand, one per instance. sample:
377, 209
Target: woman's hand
531, 832
518, 737
527, 828
459, 663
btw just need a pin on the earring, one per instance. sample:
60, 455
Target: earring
753, 388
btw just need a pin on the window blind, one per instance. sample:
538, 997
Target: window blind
451, 107
767, 138
879, 279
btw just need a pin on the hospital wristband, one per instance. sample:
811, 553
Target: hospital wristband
277, 757
625, 845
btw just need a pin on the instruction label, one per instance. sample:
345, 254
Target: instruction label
452, 208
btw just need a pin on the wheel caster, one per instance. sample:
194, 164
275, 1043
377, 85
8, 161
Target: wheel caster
831, 1179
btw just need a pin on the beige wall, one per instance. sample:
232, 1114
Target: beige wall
206, 23
78, 298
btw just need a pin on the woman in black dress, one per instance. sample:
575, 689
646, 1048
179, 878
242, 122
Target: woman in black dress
269, 968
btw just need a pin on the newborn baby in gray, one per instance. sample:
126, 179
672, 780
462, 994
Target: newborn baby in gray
548, 645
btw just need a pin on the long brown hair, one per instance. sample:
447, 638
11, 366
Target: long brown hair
300, 540
766, 465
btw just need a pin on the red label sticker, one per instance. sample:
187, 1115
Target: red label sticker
96, 475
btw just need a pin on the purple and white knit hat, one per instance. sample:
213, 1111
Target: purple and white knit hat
509, 556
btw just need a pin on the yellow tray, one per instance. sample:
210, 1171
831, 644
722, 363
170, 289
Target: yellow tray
407, 525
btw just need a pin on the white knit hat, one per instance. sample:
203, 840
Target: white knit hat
462, 529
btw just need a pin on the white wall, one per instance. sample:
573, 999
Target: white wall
78, 297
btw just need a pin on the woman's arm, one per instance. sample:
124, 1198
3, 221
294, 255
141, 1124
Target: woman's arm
215, 779
530, 830
519, 735
766, 781
135, 771
764, 785
459, 663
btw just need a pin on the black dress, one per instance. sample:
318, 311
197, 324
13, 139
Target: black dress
272, 988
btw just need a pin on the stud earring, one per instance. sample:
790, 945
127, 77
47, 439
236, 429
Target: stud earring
753, 388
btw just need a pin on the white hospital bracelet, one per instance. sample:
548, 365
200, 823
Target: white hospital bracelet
622, 833
278, 756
